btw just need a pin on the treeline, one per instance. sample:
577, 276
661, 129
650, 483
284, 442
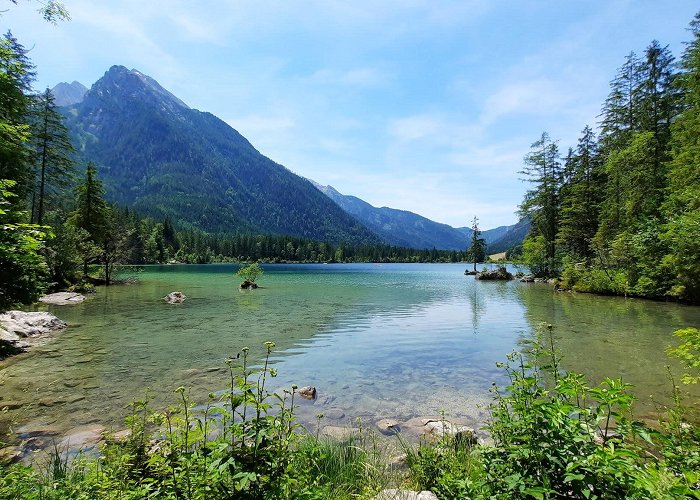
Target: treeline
619, 213
146, 241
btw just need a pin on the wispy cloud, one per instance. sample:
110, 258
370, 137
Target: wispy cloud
357, 77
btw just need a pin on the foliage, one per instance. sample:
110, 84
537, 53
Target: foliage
22, 268
553, 437
688, 352
250, 272
477, 250
51, 155
16, 76
243, 444
534, 255
556, 437
624, 210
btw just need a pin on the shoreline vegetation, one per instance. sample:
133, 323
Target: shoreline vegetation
551, 435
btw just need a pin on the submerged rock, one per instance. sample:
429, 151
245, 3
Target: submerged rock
175, 298
470, 272
62, 298
248, 285
388, 426
438, 428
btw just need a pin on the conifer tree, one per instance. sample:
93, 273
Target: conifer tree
477, 249
682, 206
91, 214
52, 151
541, 203
16, 76
581, 196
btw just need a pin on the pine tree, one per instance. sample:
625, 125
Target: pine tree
682, 206
16, 76
52, 151
91, 214
620, 115
581, 197
477, 249
541, 203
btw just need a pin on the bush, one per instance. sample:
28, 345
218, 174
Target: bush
251, 272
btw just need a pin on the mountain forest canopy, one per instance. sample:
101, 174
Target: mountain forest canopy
620, 212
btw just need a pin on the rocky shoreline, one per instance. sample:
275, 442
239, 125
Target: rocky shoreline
19, 330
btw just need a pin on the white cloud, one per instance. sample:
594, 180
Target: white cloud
416, 127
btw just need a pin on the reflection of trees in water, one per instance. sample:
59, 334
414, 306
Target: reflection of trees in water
478, 306
610, 336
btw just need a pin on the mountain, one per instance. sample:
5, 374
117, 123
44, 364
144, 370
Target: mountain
400, 227
161, 157
514, 236
66, 94
489, 235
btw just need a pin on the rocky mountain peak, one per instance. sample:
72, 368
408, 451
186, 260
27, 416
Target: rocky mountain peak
66, 94
132, 85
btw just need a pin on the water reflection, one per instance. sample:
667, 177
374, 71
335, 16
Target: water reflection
394, 340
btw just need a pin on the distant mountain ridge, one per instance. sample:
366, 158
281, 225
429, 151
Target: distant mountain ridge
159, 156
66, 94
408, 229
399, 227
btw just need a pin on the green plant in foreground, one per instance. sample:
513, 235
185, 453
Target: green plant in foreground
553, 437
688, 352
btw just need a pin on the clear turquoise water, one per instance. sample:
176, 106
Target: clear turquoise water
377, 341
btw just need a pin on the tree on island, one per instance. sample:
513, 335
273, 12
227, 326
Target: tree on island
477, 250
250, 273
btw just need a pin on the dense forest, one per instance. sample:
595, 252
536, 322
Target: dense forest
619, 213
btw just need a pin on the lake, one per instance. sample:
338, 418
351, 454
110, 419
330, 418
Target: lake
393, 340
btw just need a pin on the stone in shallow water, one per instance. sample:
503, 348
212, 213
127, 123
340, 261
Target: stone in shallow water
175, 298
28, 324
334, 413
308, 392
62, 298
82, 437
388, 426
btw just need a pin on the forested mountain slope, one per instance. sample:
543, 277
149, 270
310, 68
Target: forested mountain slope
164, 159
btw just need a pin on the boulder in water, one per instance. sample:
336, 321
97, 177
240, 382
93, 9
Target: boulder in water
62, 298
175, 298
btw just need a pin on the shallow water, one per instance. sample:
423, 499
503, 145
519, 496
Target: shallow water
396, 341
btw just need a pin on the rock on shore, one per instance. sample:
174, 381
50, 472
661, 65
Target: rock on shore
19, 328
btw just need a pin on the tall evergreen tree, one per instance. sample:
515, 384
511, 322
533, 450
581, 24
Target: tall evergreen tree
682, 206
91, 214
620, 117
541, 203
477, 249
52, 151
16, 76
581, 197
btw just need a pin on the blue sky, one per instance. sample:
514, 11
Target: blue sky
426, 106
